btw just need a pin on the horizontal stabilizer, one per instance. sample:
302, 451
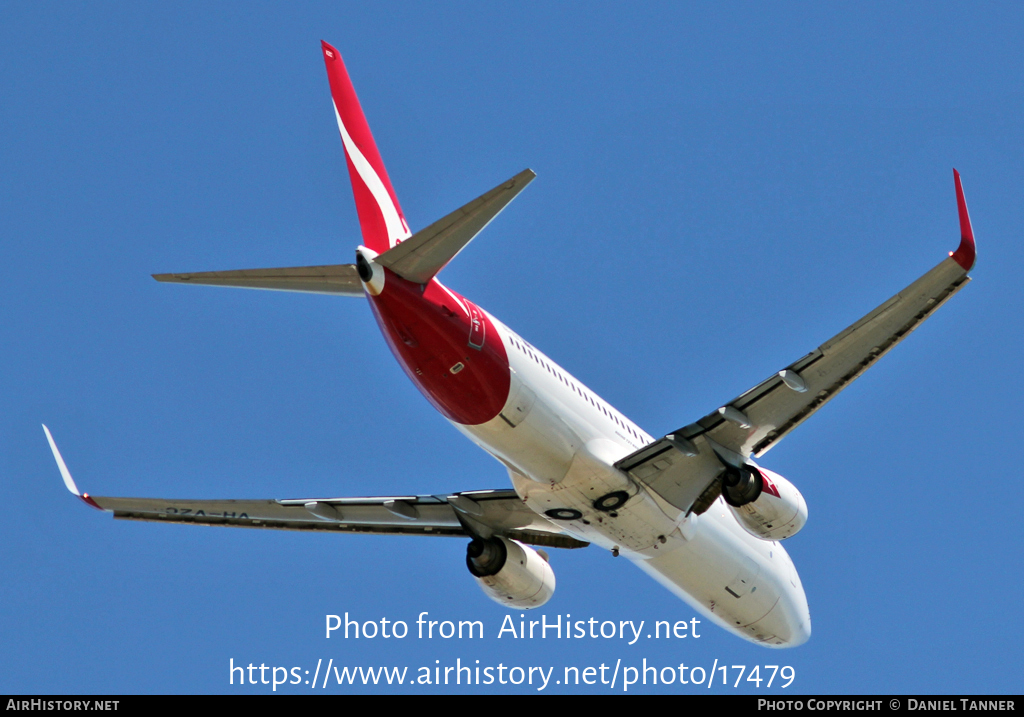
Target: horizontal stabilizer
336, 279
426, 252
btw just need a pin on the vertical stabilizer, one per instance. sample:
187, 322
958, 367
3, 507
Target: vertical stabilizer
380, 216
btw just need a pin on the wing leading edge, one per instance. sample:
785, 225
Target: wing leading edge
684, 464
471, 513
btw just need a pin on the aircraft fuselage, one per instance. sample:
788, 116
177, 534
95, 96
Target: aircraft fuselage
559, 442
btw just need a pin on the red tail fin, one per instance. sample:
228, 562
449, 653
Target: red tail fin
380, 215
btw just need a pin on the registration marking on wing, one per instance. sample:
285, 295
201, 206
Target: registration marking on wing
170, 510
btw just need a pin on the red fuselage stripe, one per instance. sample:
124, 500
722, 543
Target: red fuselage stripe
456, 360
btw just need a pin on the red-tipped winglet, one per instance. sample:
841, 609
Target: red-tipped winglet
69, 482
965, 254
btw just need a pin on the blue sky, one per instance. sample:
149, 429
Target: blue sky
720, 189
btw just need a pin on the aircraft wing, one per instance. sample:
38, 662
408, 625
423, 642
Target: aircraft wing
683, 465
473, 513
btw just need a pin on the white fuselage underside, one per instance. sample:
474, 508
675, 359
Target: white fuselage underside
559, 442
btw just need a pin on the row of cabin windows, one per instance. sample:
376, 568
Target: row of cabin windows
529, 351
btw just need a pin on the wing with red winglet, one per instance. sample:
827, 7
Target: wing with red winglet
684, 463
466, 514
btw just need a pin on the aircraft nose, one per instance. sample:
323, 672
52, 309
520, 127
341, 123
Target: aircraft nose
800, 634
788, 624
791, 622
780, 631
790, 619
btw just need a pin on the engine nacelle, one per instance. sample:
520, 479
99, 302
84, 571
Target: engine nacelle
778, 512
511, 573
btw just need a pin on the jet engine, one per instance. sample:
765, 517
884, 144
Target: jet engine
511, 573
767, 505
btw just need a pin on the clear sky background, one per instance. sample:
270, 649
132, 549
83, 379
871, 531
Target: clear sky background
721, 187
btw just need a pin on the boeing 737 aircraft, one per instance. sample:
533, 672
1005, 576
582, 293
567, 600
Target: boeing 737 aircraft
692, 508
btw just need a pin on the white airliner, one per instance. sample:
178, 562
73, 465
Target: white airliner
691, 508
